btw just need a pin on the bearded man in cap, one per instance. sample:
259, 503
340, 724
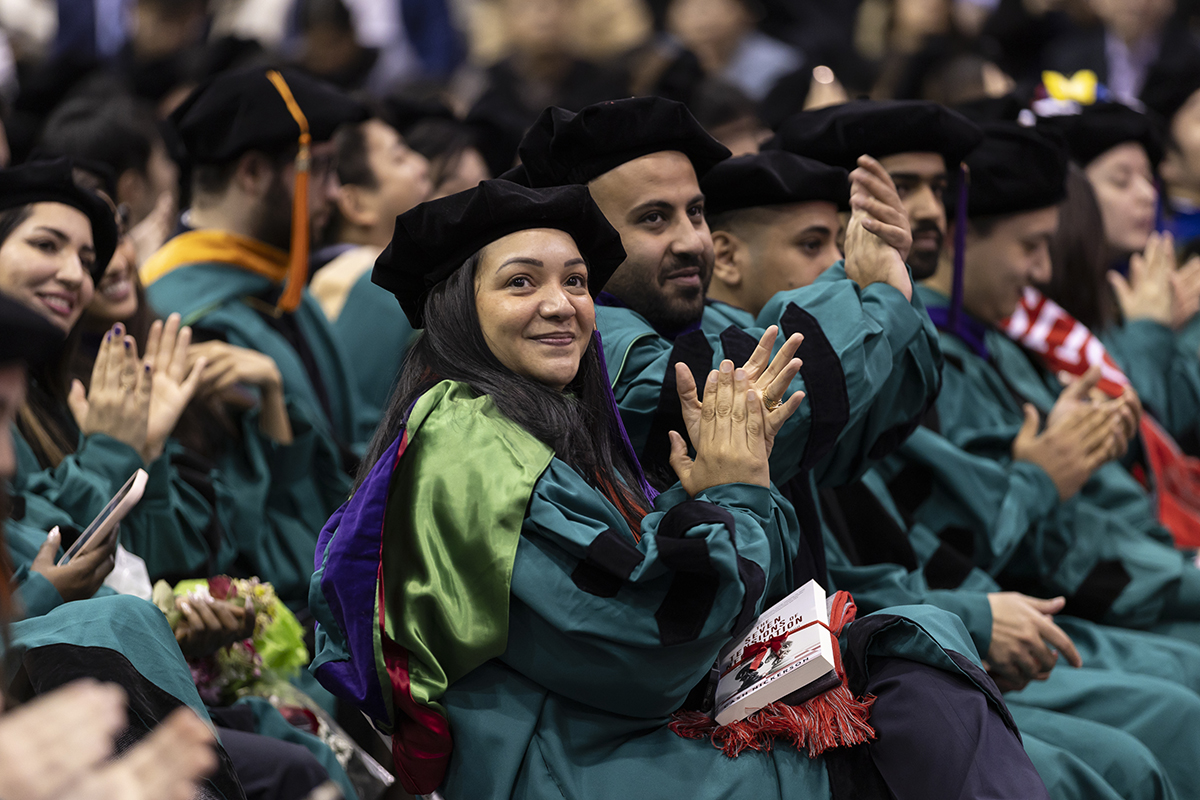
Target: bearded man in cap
259, 160
875, 554
641, 159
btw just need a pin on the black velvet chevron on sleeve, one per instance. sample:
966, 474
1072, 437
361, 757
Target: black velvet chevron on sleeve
947, 568
610, 560
810, 562
693, 591
737, 345
1098, 592
824, 382
877, 537
693, 350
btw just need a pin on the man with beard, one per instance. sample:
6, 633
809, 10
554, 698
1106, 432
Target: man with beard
260, 164
870, 359
883, 560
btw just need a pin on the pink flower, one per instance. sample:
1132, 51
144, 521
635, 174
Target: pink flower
221, 587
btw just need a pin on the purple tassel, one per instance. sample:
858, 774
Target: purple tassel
647, 489
960, 249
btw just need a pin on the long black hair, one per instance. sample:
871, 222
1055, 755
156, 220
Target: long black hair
1080, 258
577, 423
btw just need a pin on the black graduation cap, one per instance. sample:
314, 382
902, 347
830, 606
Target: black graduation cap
243, 110
26, 337
840, 134
564, 147
1006, 108
52, 182
264, 109
434, 239
772, 178
1098, 128
1016, 169
1176, 77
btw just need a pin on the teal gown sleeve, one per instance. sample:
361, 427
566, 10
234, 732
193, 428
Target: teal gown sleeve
889, 355
279, 498
1103, 548
643, 624
1166, 378
861, 346
375, 336
173, 528
930, 575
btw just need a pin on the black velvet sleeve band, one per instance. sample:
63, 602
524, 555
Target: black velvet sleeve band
824, 382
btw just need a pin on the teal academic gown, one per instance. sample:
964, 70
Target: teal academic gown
1119, 714
871, 367
608, 634
107, 630
1103, 548
174, 528
1166, 378
279, 495
137, 636
375, 336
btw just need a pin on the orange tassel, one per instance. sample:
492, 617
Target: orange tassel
297, 274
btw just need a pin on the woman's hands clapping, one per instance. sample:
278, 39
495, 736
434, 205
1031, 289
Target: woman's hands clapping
135, 400
733, 426
174, 383
118, 402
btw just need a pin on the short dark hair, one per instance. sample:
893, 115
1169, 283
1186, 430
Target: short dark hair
353, 164
215, 178
119, 132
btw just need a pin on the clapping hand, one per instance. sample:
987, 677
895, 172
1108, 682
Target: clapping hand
118, 402
175, 381
1148, 293
769, 377
878, 236
57, 748
731, 437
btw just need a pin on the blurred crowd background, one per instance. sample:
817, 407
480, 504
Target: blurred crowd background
468, 76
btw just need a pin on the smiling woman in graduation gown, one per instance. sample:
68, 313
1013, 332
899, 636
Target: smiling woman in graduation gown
523, 622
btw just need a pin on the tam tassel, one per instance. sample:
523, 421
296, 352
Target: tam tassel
297, 273
960, 248
829, 720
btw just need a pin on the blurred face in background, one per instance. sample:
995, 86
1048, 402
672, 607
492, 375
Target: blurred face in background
1133, 19
115, 298
458, 172
1124, 184
1181, 165
539, 27
712, 29
401, 173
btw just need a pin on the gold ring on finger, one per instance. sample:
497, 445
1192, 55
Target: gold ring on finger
771, 404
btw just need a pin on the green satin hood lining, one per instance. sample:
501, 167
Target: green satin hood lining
455, 512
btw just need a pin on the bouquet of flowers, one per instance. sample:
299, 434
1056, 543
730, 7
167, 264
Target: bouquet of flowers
259, 665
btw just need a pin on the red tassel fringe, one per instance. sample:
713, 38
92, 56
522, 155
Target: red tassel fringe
832, 719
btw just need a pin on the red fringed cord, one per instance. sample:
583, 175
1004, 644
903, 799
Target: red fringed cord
833, 719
